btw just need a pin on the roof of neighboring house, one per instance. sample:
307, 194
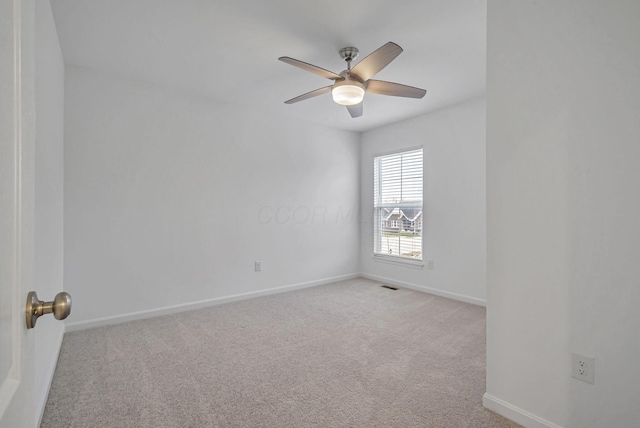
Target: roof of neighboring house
394, 217
412, 214
387, 212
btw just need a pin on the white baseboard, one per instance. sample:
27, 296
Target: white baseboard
441, 293
49, 376
117, 319
516, 414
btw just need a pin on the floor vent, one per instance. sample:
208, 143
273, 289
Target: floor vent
389, 287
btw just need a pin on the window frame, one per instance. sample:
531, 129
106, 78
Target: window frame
377, 222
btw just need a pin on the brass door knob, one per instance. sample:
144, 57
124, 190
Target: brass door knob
60, 307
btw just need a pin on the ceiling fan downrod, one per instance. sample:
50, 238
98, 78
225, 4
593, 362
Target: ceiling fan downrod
349, 54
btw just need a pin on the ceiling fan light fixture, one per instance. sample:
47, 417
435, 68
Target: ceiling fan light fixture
347, 92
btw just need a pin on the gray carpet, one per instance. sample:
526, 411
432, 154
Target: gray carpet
345, 354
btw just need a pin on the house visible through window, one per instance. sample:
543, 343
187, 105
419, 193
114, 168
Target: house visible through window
398, 204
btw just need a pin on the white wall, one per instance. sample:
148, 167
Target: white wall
454, 227
48, 256
563, 151
171, 197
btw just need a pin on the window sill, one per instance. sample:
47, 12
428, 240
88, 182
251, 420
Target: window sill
401, 261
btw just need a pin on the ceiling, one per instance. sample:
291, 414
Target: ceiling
228, 50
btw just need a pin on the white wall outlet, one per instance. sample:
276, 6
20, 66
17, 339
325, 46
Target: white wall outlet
258, 266
429, 264
582, 367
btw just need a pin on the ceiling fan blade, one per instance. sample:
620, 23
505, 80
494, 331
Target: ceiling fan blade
355, 110
308, 95
311, 68
394, 89
376, 61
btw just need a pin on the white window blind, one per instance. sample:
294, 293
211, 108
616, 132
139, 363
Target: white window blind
398, 204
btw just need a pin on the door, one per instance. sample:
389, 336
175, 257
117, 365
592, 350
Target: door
17, 136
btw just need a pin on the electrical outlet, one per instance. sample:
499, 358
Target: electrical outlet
429, 264
258, 266
582, 367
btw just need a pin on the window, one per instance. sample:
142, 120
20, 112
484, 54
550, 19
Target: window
398, 201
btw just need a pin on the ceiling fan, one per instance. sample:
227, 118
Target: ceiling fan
350, 85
